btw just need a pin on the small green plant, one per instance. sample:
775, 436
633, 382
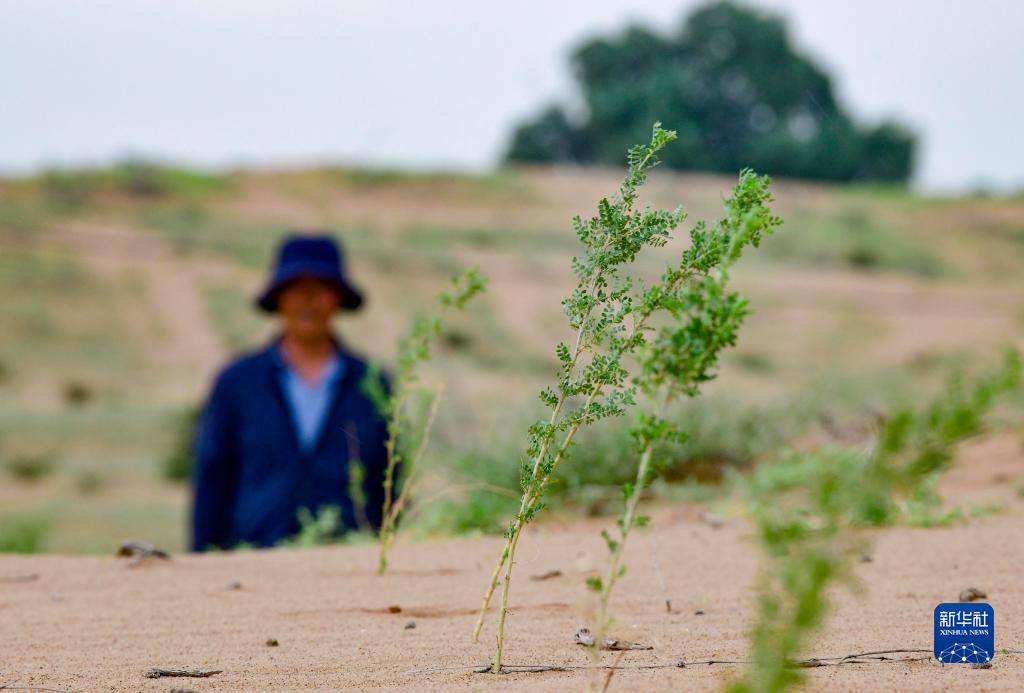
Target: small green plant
398, 405
805, 504
321, 529
611, 313
703, 319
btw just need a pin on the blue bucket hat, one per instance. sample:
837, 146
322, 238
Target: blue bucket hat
314, 255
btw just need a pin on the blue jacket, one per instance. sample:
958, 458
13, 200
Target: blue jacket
250, 475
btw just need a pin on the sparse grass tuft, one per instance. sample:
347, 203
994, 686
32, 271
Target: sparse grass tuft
856, 239
30, 468
477, 509
177, 465
72, 190
23, 533
76, 393
89, 481
321, 529
194, 229
398, 406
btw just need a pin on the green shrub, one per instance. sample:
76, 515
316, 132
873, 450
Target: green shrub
69, 191
478, 509
177, 466
89, 481
23, 534
722, 435
321, 529
855, 239
145, 179
29, 468
480, 490
76, 394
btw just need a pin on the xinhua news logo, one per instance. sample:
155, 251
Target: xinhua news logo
964, 633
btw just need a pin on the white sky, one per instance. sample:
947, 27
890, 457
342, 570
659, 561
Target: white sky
440, 84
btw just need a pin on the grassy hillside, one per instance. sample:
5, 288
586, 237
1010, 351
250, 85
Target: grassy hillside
124, 289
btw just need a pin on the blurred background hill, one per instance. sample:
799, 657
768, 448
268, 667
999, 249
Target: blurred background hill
127, 282
125, 288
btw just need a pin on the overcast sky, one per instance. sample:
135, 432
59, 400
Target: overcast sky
440, 84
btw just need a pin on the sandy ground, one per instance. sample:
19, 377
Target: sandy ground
88, 624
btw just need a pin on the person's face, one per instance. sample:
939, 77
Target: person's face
306, 307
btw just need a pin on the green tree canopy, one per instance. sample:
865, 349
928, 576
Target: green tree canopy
733, 86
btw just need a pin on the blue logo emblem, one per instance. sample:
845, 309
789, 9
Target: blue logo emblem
964, 633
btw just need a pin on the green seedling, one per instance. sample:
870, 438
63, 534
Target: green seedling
395, 406
807, 507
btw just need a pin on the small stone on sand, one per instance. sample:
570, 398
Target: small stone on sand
972, 594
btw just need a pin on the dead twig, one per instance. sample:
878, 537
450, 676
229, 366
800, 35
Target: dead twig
550, 575
156, 673
17, 687
27, 577
141, 551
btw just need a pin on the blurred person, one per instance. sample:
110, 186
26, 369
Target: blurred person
283, 423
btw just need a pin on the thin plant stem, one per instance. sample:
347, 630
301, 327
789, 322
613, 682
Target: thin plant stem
389, 482
510, 561
523, 505
533, 493
578, 348
626, 523
612, 573
413, 351
392, 510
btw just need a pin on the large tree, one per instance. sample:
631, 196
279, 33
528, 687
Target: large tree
733, 86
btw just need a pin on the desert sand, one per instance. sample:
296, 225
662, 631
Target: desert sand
95, 623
